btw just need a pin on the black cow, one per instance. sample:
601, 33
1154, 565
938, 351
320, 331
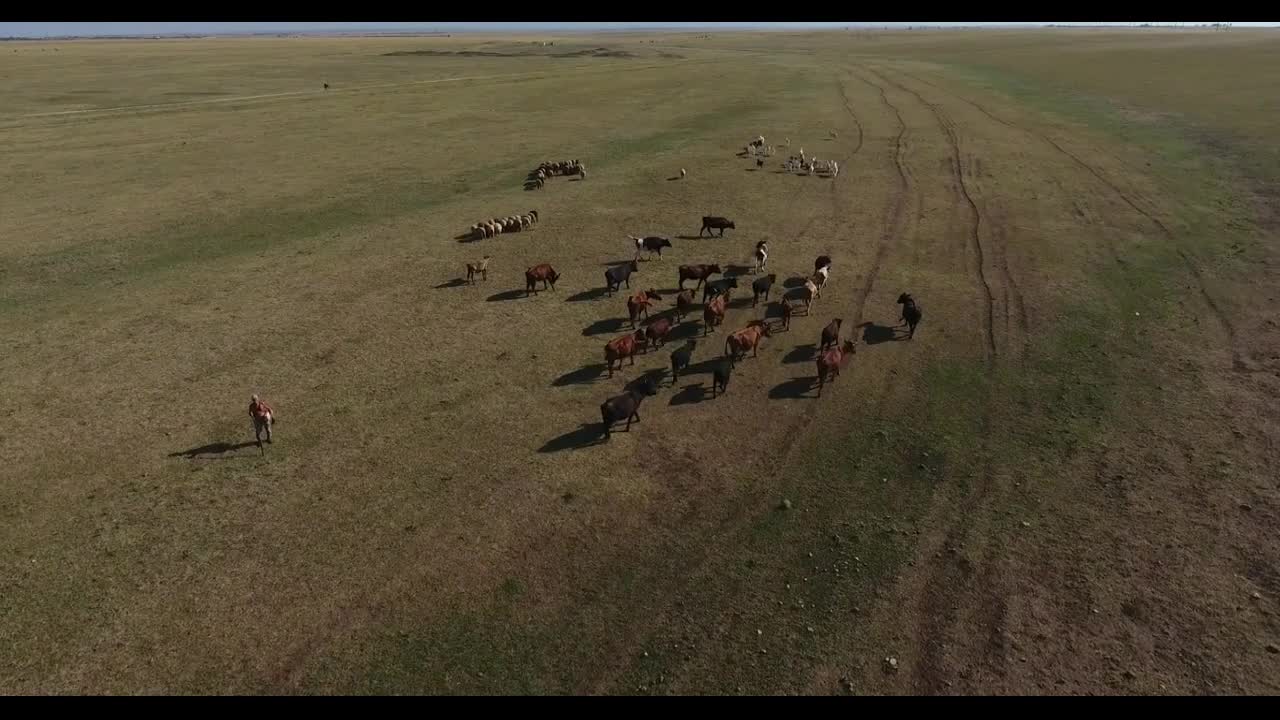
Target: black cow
762, 286
720, 376
911, 313
681, 358
715, 222
821, 262
625, 406
717, 287
615, 276
652, 244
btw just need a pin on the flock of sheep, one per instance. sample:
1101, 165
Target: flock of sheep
717, 293
497, 226
568, 168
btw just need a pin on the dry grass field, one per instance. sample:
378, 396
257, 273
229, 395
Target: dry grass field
1066, 483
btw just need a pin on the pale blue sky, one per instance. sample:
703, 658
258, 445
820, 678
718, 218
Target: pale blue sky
46, 29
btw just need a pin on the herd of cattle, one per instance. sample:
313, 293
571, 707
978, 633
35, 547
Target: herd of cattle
651, 333
539, 175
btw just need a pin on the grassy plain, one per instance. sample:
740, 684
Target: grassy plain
1065, 483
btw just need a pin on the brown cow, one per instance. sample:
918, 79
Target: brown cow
830, 361
657, 331
684, 303
831, 334
697, 272
640, 302
543, 272
625, 346
713, 313
747, 338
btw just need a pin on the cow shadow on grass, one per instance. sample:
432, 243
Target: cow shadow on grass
684, 331
586, 374
592, 294
737, 270
689, 237
652, 377
467, 238
506, 295
794, 389
739, 303
801, 353
793, 282
689, 395
874, 334
586, 435
456, 282
214, 450
607, 325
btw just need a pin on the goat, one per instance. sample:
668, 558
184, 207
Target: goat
481, 268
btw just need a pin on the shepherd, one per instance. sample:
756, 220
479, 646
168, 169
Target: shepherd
263, 418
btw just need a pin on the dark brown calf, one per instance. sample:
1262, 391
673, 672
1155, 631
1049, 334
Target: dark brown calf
684, 303
657, 331
713, 313
697, 272
639, 303
831, 334
626, 405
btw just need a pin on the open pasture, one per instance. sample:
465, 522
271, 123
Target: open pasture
1066, 482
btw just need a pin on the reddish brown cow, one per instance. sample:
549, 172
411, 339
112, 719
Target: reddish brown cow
640, 302
684, 303
713, 313
745, 339
697, 272
658, 330
830, 361
625, 346
544, 273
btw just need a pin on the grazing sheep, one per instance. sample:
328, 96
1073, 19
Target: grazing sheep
326, 86
534, 214
759, 162
582, 173
682, 173
481, 268
911, 313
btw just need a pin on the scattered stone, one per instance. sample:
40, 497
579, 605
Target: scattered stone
1129, 675
1026, 524
786, 504
1273, 648
891, 664
1246, 507
1256, 595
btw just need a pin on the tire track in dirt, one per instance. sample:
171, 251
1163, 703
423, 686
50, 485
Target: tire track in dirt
1238, 361
897, 206
947, 573
848, 106
975, 237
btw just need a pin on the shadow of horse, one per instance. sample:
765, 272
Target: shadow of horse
586, 435
214, 449
456, 282
794, 389
586, 374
